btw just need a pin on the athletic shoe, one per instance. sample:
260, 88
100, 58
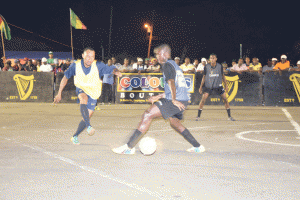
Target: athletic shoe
230, 118
97, 108
90, 130
197, 118
124, 150
74, 139
196, 149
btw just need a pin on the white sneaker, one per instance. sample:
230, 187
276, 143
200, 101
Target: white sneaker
196, 149
124, 150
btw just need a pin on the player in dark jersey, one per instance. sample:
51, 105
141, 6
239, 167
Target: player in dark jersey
169, 105
212, 81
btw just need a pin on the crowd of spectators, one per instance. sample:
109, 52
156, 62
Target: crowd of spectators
151, 65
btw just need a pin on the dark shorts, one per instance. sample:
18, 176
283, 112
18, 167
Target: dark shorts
219, 90
168, 109
91, 102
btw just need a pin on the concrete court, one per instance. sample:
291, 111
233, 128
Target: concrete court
255, 157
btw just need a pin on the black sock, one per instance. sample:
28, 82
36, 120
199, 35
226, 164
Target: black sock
135, 138
228, 112
199, 112
188, 136
80, 128
85, 114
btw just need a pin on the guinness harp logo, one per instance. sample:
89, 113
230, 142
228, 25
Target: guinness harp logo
231, 81
295, 78
24, 85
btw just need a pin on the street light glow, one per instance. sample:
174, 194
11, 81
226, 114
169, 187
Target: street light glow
146, 25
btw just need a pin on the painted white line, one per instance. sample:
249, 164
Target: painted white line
289, 116
204, 127
240, 136
95, 171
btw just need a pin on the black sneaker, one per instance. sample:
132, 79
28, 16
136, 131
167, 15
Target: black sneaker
231, 119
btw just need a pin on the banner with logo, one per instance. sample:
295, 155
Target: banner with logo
282, 89
26, 86
137, 88
244, 89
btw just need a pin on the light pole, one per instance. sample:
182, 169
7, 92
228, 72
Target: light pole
149, 30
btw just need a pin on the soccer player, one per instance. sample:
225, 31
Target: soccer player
169, 105
212, 81
87, 73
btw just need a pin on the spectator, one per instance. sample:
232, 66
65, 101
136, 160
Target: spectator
56, 68
7, 66
24, 66
233, 63
177, 61
30, 67
17, 66
240, 67
132, 63
125, 68
296, 68
196, 63
255, 65
247, 62
225, 67
3, 63
274, 61
283, 65
38, 65
269, 67
147, 62
139, 66
45, 67
187, 67
107, 84
114, 63
200, 67
155, 68
51, 59
66, 65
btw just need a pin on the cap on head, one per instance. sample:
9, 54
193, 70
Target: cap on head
177, 58
44, 59
274, 59
153, 59
298, 63
140, 60
50, 52
203, 59
16, 60
283, 57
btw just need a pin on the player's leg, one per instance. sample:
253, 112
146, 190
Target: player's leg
143, 126
87, 103
80, 128
176, 124
226, 103
201, 104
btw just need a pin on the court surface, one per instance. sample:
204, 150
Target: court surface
255, 157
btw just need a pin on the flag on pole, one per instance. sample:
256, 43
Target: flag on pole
4, 28
75, 21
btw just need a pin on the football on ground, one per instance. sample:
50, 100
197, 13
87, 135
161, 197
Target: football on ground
147, 146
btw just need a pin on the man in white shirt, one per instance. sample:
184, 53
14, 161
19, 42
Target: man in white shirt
200, 67
240, 67
45, 67
139, 66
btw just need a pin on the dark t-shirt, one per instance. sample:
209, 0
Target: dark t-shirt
169, 71
64, 67
31, 68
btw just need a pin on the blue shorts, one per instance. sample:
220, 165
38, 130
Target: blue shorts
91, 102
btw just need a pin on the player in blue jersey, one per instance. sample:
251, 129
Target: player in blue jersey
169, 105
87, 73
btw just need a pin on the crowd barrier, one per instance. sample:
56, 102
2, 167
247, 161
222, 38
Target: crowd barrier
245, 89
282, 89
26, 87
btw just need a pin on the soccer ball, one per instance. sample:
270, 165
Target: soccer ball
147, 146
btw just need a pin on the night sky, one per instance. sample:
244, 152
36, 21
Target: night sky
193, 29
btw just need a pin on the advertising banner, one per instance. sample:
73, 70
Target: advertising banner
137, 88
282, 89
22, 86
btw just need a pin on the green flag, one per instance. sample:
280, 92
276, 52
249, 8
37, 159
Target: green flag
4, 28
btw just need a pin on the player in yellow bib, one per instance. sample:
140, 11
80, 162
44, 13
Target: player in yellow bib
87, 73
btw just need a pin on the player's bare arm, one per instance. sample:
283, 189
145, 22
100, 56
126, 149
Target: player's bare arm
225, 83
62, 85
171, 83
202, 83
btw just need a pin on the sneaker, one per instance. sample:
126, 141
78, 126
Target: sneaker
196, 149
97, 108
230, 118
197, 118
90, 130
124, 150
74, 139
